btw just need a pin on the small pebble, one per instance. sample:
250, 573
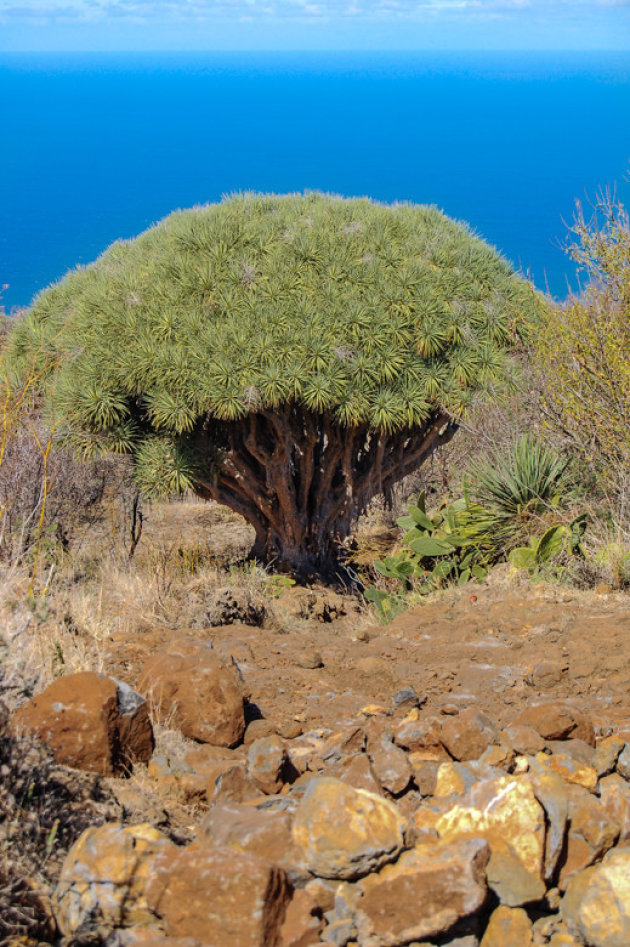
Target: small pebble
449, 710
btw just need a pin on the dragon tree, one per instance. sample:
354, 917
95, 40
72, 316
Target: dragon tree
291, 357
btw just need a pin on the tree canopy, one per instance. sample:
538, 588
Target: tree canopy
383, 320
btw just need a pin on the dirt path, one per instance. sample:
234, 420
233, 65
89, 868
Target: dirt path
498, 647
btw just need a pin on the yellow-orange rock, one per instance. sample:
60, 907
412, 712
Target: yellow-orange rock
428, 890
508, 927
345, 833
570, 769
219, 896
104, 876
596, 907
507, 814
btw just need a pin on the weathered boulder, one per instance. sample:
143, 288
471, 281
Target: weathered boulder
507, 814
90, 722
345, 833
456, 778
267, 763
592, 832
552, 792
623, 762
558, 721
195, 688
522, 739
570, 769
508, 927
303, 921
390, 765
468, 734
424, 894
103, 878
615, 798
221, 897
257, 831
596, 906
355, 771
422, 737
606, 755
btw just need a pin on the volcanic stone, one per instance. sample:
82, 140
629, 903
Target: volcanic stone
90, 722
198, 691
343, 832
220, 896
424, 894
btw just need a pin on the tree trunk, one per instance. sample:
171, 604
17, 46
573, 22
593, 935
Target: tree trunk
302, 480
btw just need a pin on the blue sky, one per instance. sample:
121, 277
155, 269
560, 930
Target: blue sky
313, 24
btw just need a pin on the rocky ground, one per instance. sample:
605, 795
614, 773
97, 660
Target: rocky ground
293, 774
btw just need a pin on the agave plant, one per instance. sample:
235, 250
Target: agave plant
526, 482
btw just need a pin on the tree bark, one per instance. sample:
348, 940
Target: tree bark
302, 480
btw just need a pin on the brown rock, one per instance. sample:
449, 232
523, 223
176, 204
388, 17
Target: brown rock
607, 754
570, 769
596, 907
232, 785
90, 722
343, 743
623, 762
322, 893
547, 674
425, 774
355, 771
467, 735
591, 834
508, 927
257, 730
558, 721
345, 833
373, 665
303, 922
552, 793
615, 799
523, 739
267, 763
290, 730
422, 737
310, 660
220, 896
507, 814
424, 894
103, 878
198, 690
389, 765
498, 757
257, 831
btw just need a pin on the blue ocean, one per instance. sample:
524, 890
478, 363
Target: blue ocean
100, 146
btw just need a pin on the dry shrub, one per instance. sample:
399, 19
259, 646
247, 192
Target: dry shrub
44, 808
582, 356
